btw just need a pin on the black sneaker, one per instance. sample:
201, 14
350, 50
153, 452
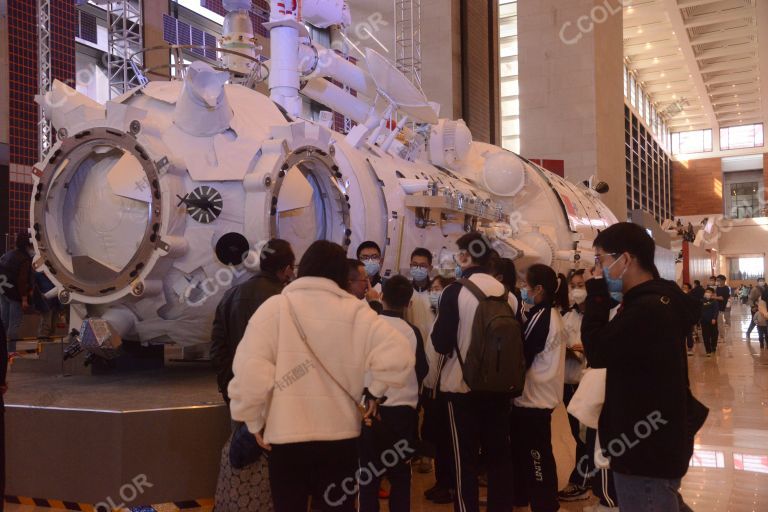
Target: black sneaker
573, 492
439, 495
432, 490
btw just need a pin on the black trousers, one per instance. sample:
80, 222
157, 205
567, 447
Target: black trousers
436, 432
582, 471
602, 481
480, 420
535, 478
392, 460
325, 469
689, 339
762, 334
709, 333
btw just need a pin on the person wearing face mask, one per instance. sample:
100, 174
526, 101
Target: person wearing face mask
475, 417
535, 475
435, 430
15, 285
723, 296
643, 350
420, 314
709, 312
369, 253
578, 483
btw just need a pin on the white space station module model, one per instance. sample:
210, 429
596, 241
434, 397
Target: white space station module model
144, 210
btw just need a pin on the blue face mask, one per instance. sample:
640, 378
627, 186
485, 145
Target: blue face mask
419, 273
434, 298
372, 267
615, 285
617, 296
458, 272
526, 297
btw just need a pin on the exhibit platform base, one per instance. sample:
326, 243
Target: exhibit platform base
126, 440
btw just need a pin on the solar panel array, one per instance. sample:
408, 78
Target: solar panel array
178, 32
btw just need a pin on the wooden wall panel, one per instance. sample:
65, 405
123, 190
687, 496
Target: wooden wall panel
697, 187
479, 69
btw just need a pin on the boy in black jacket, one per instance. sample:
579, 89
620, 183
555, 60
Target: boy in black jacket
644, 423
709, 310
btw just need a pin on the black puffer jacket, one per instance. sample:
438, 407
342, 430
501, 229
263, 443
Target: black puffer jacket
232, 315
643, 424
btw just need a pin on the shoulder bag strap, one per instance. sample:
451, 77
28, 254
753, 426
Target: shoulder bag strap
303, 337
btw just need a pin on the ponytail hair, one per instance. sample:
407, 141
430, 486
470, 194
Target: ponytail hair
555, 286
561, 299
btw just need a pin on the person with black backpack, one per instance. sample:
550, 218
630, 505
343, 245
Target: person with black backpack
477, 331
535, 481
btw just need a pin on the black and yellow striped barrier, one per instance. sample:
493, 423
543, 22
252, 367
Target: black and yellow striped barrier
201, 504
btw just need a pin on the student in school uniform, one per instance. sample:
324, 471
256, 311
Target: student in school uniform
398, 411
535, 476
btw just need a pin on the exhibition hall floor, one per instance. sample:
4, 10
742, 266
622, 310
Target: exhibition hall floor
729, 471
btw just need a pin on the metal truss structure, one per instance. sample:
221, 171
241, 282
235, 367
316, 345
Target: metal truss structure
125, 42
408, 39
45, 76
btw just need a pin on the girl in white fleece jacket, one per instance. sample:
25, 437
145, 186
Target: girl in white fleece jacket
281, 387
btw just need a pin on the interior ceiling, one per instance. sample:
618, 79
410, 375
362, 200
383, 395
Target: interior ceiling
707, 56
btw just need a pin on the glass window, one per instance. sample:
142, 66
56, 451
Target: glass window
697, 141
508, 76
632, 91
737, 137
510, 107
746, 268
744, 200
626, 81
647, 112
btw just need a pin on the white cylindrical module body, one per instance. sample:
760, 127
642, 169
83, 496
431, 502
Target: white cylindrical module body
336, 99
284, 62
143, 221
322, 13
284, 68
319, 62
237, 34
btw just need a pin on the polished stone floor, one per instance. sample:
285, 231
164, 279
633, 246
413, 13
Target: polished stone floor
729, 471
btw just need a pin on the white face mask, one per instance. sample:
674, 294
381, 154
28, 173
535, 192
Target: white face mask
577, 295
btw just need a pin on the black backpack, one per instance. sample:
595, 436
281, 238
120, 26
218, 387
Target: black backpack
495, 359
